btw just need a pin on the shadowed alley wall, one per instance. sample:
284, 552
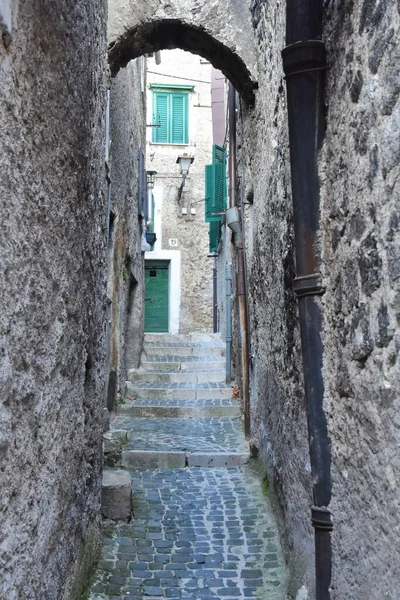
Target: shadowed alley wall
359, 242
125, 274
52, 295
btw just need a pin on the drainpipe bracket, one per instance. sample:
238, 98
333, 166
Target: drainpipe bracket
321, 518
302, 57
308, 285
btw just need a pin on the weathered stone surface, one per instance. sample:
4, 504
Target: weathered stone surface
125, 286
113, 444
361, 357
52, 295
220, 32
147, 459
198, 533
277, 400
116, 495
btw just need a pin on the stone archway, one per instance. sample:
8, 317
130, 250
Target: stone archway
220, 32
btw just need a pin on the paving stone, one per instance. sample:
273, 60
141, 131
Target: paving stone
202, 528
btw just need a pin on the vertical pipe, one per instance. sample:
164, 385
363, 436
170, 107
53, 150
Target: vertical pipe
240, 257
215, 296
304, 64
228, 276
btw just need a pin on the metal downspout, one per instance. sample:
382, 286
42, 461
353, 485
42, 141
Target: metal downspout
304, 65
215, 296
228, 308
240, 276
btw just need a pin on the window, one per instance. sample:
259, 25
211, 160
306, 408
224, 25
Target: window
170, 114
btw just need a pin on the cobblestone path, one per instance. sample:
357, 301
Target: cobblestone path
197, 532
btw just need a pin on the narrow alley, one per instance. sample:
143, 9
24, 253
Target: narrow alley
199, 299
202, 525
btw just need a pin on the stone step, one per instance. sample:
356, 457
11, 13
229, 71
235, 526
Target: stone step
195, 376
200, 435
178, 391
148, 459
116, 495
155, 338
161, 351
184, 365
150, 409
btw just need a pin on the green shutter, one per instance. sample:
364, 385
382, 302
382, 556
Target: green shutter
215, 186
178, 118
219, 160
209, 193
160, 117
214, 235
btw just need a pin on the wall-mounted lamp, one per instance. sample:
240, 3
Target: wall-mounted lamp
151, 176
184, 161
151, 238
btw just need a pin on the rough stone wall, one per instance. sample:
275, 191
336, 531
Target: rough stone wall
126, 277
277, 399
52, 296
359, 243
190, 231
360, 174
218, 31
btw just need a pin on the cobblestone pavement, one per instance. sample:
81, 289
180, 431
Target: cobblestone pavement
196, 533
195, 435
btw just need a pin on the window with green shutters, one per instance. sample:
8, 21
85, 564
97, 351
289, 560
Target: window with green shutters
170, 117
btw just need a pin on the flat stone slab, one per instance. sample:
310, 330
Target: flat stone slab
180, 391
149, 410
188, 376
147, 459
142, 459
184, 365
116, 495
210, 460
196, 403
197, 534
182, 350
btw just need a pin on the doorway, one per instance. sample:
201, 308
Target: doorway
156, 297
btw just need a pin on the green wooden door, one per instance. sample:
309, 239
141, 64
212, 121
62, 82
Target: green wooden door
156, 297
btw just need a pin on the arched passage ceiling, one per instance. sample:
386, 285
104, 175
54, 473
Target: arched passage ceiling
220, 31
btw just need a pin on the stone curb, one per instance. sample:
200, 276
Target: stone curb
148, 459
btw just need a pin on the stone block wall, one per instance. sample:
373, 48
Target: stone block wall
125, 271
278, 415
360, 175
52, 295
359, 242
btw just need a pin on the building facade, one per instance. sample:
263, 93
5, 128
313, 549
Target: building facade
179, 274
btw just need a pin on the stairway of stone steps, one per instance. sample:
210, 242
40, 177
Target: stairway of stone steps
177, 457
